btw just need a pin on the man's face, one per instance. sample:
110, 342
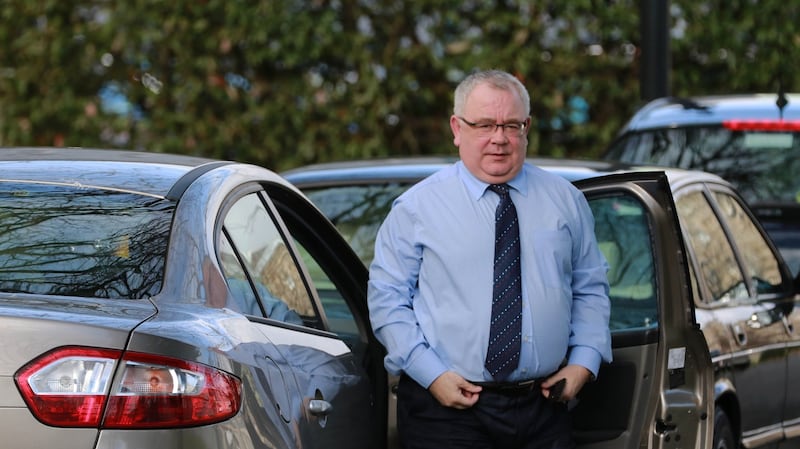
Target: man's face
493, 155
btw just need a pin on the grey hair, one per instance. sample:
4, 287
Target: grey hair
495, 78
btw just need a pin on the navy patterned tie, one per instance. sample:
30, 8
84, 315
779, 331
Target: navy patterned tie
502, 356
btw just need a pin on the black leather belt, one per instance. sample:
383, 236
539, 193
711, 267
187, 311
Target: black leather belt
511, 388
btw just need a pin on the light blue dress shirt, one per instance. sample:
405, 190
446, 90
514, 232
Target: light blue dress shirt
430, 286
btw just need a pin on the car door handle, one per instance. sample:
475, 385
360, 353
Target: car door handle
741, 335
787, 325
319, 407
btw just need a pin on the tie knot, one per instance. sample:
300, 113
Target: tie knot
500, 189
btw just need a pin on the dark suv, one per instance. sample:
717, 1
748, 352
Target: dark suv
753, 141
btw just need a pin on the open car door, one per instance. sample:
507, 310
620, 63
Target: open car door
658, 390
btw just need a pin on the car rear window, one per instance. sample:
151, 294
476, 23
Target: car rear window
763, 165
81, 241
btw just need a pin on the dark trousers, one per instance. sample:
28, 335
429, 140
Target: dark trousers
497, 421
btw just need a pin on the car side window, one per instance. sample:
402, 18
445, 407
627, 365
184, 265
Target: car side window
759, 260
341, 319
717, 265
257, 263
623, 234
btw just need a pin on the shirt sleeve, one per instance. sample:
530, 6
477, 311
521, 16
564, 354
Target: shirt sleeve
392, 284
590, 338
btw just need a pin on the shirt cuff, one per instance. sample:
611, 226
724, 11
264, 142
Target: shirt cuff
585, 357
425, 368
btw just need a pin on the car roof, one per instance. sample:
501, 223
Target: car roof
413, 169
713, 109
134, 171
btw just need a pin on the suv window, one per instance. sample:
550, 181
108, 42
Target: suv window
763, 165
81, 241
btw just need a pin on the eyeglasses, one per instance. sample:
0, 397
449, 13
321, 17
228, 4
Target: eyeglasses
512, 129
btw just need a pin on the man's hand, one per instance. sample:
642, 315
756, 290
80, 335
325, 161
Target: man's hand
452, 390
575, 376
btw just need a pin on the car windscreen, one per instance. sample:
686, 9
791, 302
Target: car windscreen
763, 165
73, 240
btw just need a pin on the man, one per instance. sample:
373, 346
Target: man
483, 324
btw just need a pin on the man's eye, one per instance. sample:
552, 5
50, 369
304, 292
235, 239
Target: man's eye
483, 126
513, 126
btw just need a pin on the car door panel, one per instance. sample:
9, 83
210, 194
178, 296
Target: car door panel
344, 364
660, 375
331, 390
758, 366
618, 383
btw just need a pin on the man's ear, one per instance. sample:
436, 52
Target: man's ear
455, 126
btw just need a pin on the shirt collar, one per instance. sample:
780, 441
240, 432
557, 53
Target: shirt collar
477, 188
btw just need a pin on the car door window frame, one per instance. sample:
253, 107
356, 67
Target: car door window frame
312, 323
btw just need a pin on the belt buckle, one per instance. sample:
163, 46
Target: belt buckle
523, 386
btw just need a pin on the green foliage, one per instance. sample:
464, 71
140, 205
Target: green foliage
742, 46
288, 82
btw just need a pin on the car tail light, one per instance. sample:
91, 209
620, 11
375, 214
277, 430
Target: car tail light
90, 387
762, 125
